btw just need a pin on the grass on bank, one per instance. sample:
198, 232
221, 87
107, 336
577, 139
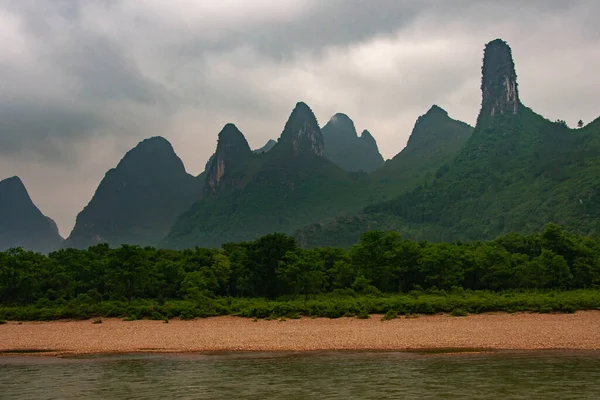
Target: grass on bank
334, 305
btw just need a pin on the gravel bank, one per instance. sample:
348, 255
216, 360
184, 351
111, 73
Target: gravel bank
494, 331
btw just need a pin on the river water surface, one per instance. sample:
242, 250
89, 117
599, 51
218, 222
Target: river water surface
327, 375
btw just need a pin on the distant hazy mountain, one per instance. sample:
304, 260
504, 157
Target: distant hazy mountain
138, 200
21, 223
345, 148
268, 146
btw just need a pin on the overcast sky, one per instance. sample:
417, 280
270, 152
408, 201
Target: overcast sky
81, 82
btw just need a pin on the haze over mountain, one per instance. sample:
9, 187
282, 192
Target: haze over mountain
345, 148
268, 146
516, 172
22, 224
138, 200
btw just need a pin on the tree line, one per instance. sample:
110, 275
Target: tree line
274, 266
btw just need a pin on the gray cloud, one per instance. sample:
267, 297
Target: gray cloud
82, 82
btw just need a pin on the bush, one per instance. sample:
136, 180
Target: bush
362, 315
391, 314
97, 321
458, 312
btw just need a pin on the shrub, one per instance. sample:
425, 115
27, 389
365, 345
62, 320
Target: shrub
458, 312
97, 321
391, 314
362, 315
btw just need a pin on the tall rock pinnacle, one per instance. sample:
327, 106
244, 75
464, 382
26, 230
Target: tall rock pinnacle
302, 132
232, 149
500, 94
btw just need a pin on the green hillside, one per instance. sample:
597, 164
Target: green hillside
517, 172
278, 191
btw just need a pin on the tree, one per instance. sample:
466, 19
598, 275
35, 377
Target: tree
580, 124
264, 256
302, 272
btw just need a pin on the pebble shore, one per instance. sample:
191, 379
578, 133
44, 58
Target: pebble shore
520, 331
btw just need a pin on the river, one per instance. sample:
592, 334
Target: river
323, 375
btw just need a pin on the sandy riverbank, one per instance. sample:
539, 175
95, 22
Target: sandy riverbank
494, 331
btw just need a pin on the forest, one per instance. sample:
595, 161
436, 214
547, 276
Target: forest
552, 270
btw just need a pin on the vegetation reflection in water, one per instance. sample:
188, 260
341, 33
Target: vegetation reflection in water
348, 375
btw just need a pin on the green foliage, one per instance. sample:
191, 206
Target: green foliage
272, 277
435, 141
459, 312
391, 314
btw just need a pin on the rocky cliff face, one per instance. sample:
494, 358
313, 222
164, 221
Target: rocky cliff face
22, 224
499, 89
232, 151
302, 133
138, 200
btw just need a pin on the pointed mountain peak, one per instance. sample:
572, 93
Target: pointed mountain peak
433, 115
500, 94
154, 150
230, 134
302, 132
13, 190
340, 125
436, 126
12, 184
232, 149
232, 142
436, 110
366, 135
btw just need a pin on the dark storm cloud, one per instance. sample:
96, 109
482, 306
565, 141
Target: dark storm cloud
64, 89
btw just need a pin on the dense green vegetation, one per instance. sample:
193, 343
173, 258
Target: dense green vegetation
345, 148
278, 191
517, 172
433, 144
553, 270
